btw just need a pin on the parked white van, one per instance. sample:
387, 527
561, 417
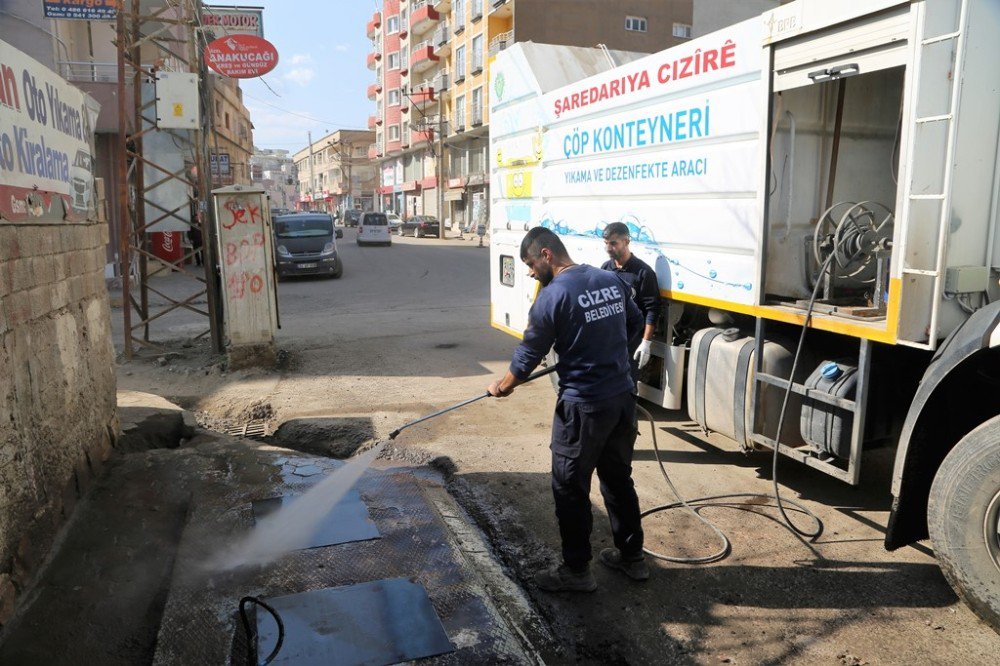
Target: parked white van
374, 228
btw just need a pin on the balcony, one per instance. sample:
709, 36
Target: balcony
373, 152
374, 59
501, 8
442, 39
421, 137
423, 17
424, 97
372, 122
500, 42
373, 91
440, 82
374, 25
423, 57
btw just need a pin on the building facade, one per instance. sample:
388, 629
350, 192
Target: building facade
335, 172
275, 172
232, 143
431, 61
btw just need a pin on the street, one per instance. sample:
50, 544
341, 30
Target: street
405, 333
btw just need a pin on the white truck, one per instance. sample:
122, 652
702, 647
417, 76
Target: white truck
829, 162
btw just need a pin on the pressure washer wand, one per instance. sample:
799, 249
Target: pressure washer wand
531, 377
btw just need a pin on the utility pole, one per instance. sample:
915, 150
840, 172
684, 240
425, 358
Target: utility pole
440, 169
312, 173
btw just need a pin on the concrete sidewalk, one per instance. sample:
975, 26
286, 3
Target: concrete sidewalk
128, 582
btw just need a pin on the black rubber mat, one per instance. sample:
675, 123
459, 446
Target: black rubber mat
368, 624
347, 521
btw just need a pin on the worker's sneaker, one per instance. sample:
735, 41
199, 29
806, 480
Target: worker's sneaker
564, 579
634, 569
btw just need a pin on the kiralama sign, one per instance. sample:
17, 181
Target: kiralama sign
241, 56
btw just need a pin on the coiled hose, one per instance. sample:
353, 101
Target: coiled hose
774, 500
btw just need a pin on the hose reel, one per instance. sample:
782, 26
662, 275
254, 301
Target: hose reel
859, 237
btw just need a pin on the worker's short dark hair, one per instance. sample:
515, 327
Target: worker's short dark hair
616, 229
539, 238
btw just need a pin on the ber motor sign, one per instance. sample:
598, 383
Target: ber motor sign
241, 56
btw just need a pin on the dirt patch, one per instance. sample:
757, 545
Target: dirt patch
335, 437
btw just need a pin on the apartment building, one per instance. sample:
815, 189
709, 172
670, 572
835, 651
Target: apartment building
275, 172
335, 173
431, 61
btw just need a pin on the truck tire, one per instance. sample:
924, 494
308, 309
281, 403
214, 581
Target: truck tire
963, 513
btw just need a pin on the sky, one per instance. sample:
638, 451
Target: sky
321, 81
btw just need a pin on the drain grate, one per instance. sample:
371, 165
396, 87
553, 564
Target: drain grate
251, 429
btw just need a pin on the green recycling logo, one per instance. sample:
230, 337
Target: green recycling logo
498, 85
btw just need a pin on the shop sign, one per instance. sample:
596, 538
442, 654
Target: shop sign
241, 56
220, 21
46, 143
81, 10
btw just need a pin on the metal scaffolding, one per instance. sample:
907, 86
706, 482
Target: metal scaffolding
162, 36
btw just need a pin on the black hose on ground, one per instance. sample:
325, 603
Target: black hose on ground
694, 506
251, 631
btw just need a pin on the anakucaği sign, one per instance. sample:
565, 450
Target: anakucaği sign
46, 143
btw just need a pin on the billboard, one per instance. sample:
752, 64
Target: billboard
46, 143
81, 10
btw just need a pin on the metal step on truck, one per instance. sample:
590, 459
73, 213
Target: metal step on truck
830, 166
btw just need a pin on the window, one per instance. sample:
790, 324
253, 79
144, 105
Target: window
394, 97
682, 30
405, 132
392, 25
393, 61
477, 54
477, 106
394, 133
458, 10
460, 63
460, 112
638, 24
227, 120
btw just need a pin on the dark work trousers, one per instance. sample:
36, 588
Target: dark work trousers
589, 437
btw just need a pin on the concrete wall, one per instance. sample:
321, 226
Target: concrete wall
57, 386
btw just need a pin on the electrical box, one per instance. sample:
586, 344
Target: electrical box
177, 101
966, 279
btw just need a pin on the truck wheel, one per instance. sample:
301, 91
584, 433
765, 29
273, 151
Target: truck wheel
963, 517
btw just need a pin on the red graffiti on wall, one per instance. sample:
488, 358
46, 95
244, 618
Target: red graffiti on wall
244, 251
241, 214
241, 282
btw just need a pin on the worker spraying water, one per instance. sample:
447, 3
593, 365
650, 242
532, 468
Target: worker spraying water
587, 315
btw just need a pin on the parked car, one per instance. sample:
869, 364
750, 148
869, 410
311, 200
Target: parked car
352, 217
306, 244
374, 229
394, 221
420, 226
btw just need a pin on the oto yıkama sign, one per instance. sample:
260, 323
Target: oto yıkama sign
241, 56
46, 139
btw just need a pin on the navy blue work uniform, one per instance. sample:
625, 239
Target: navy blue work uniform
642, 278
588, 317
